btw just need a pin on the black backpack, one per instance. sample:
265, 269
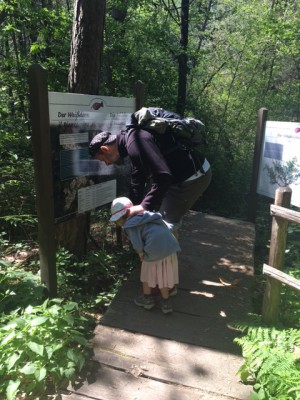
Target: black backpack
186, 131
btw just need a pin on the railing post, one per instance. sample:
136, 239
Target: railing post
276, 257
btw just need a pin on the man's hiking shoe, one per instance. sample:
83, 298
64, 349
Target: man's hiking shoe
165, 305
145, 301
173, 291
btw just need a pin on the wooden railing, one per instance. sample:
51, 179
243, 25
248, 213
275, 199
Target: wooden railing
281, 216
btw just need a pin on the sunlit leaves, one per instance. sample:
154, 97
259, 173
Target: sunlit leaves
49, 346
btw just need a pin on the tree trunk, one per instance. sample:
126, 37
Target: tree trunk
183, 58
86, 47
84, 78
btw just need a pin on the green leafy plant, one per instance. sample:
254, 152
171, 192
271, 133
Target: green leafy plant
3, 241
19, 288
95, 280
272, 358
42, 348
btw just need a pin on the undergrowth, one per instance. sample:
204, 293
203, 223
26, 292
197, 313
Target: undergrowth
44, 343
272, 360
42, 348
272, 353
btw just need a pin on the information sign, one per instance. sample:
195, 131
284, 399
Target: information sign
81, 183
281, 144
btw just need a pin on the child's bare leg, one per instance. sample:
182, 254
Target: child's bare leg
146, 288
164, 293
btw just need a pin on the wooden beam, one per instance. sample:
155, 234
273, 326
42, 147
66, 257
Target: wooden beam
281, 276
282, 212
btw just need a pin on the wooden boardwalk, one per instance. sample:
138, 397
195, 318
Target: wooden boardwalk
190, 354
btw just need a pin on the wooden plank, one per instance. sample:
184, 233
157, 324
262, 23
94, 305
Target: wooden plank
112, 384
214, 332
170, 361
207, 299
285, 213
281, 276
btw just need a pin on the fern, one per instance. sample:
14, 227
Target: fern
272, 361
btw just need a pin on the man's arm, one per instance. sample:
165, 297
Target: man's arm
147, 163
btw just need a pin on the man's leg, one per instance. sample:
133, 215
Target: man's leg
180, 198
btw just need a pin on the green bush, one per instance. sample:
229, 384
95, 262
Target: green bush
95, 280
42, 348
44, 344
19, 288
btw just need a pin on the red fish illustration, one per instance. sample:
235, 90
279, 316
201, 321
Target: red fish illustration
96, 106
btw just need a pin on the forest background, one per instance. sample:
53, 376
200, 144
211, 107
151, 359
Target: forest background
238, 56
216, 60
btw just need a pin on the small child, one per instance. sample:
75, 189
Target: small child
157, 247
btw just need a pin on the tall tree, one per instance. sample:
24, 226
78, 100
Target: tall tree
86, 46
84, 75
183, 57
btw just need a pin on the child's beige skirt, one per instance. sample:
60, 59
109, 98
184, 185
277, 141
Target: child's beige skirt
163, 273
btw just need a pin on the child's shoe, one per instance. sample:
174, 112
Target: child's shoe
165, 305
145, 300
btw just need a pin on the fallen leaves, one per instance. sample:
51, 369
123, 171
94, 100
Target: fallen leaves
137, 370
205, 294
233, 283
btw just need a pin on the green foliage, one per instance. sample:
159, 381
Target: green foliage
94, 281
17, 196
19, 288
271, 361
42, 348
141, 47
30, 33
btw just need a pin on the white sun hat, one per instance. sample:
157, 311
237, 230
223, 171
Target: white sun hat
119, 206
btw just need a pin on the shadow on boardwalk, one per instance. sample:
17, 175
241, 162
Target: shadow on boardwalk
190, 354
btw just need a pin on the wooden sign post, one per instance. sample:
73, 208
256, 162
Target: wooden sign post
39, 114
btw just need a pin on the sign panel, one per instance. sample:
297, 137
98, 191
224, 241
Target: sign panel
281, 144
74, 120
91, 197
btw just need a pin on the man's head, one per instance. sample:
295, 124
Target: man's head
104, 148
